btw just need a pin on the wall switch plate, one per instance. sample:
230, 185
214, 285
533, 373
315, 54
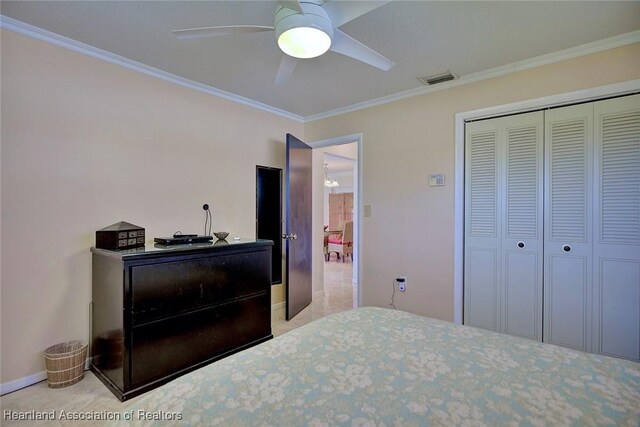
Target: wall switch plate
436, 180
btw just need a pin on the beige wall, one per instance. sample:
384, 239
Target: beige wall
411, 228
86, 144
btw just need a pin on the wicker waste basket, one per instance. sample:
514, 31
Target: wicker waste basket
65, 363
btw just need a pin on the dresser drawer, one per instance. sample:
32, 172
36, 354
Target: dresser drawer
165, 347
160, 290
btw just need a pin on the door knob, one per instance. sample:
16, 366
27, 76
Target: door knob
521, 245
566, 248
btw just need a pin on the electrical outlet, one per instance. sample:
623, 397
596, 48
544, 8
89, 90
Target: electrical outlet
402, 283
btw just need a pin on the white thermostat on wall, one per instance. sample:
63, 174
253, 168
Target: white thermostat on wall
436, 180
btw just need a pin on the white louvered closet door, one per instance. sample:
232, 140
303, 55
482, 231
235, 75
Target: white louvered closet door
567, 226
552, 226
616, 249
522, 234
503, 225
482, 232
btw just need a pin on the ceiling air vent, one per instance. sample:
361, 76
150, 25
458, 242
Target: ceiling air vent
437, 78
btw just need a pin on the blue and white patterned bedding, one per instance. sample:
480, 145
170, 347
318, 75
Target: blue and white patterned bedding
374, 366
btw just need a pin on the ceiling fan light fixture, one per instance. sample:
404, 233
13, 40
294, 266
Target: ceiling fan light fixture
304, 42
303, 35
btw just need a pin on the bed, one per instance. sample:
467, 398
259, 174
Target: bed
375, 366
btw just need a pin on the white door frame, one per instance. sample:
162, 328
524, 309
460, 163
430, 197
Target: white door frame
585, 95
358, 203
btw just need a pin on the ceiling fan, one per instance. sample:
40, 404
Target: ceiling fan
307, 29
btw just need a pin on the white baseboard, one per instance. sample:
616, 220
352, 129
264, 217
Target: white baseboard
11, 386
15, 385
319, 294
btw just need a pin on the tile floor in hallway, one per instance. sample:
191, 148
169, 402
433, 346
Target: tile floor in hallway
90, 395
339, 295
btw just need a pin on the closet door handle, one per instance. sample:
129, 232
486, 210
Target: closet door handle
566, 248
521, 245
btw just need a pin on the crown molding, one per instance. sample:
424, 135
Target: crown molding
37, 33
73, 45
562, 55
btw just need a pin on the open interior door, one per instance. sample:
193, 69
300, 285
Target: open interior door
298, 231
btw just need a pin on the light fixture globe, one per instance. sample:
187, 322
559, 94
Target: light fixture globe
303, 36
327, 182
304, 42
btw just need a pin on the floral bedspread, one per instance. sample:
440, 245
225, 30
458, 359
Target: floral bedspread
374, 366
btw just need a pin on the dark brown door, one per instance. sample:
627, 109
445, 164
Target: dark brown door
297, 234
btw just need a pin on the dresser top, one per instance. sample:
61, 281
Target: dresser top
156, 249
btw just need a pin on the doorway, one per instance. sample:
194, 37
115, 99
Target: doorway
338, 219
333, 279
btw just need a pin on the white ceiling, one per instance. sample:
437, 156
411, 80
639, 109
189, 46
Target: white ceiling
422, 37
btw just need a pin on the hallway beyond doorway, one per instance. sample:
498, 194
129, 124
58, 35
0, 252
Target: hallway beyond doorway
339, 295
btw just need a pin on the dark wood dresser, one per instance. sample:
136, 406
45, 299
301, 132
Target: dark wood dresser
160, 311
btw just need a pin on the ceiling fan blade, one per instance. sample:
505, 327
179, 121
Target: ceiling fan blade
348, 46
287, 64
341, 12
196, 33
291, 4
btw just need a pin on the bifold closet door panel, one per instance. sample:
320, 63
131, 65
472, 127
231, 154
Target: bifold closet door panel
482, 231
616, 249
522, 233
503, 224
567, 226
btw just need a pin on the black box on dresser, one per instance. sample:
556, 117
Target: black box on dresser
121, 235
159, 312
